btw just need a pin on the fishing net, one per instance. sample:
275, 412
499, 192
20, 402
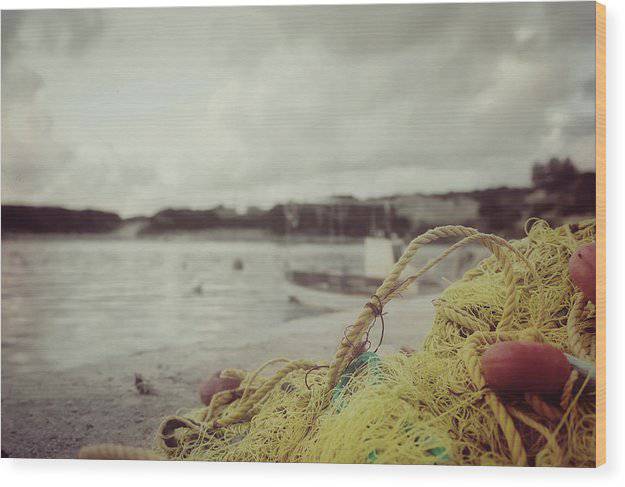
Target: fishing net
431, 406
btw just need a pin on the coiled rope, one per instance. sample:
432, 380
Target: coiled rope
397, 410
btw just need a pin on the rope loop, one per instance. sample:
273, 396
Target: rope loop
392, 286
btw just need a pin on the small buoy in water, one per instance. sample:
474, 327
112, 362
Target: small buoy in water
214, 384
518, 367
199, 289
582, 267
237, 265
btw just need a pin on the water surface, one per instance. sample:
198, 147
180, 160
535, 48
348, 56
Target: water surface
72, 302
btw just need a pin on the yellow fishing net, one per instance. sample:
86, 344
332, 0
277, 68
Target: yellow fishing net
427, 407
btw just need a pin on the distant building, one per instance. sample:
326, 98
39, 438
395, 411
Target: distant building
342, 199
224, 212
424, 210
254, 211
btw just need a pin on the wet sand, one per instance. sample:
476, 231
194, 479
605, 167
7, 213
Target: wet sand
53, 415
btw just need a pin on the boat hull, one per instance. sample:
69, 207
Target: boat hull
317, 298
331, 291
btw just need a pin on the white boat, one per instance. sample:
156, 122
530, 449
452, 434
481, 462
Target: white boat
329, 290
341, 290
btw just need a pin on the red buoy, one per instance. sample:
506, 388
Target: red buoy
582, 267
519, 367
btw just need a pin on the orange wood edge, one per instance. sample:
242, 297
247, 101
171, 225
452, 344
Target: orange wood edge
600, 150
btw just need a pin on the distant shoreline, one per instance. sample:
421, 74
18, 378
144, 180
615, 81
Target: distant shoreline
559, 194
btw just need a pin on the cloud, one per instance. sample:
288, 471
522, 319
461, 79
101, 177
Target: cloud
135, 110
33, 155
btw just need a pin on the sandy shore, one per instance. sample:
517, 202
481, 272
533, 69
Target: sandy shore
52, 415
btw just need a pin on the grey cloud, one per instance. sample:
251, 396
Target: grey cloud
72, 31
21, 84
33, 157
148, 108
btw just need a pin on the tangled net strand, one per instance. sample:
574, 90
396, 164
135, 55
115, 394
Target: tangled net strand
428, 407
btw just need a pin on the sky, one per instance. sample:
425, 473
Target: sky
136, 110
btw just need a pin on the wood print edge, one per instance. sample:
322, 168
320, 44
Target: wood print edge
600, 160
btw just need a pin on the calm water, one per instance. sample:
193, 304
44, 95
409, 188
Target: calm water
65, 302
70, 302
